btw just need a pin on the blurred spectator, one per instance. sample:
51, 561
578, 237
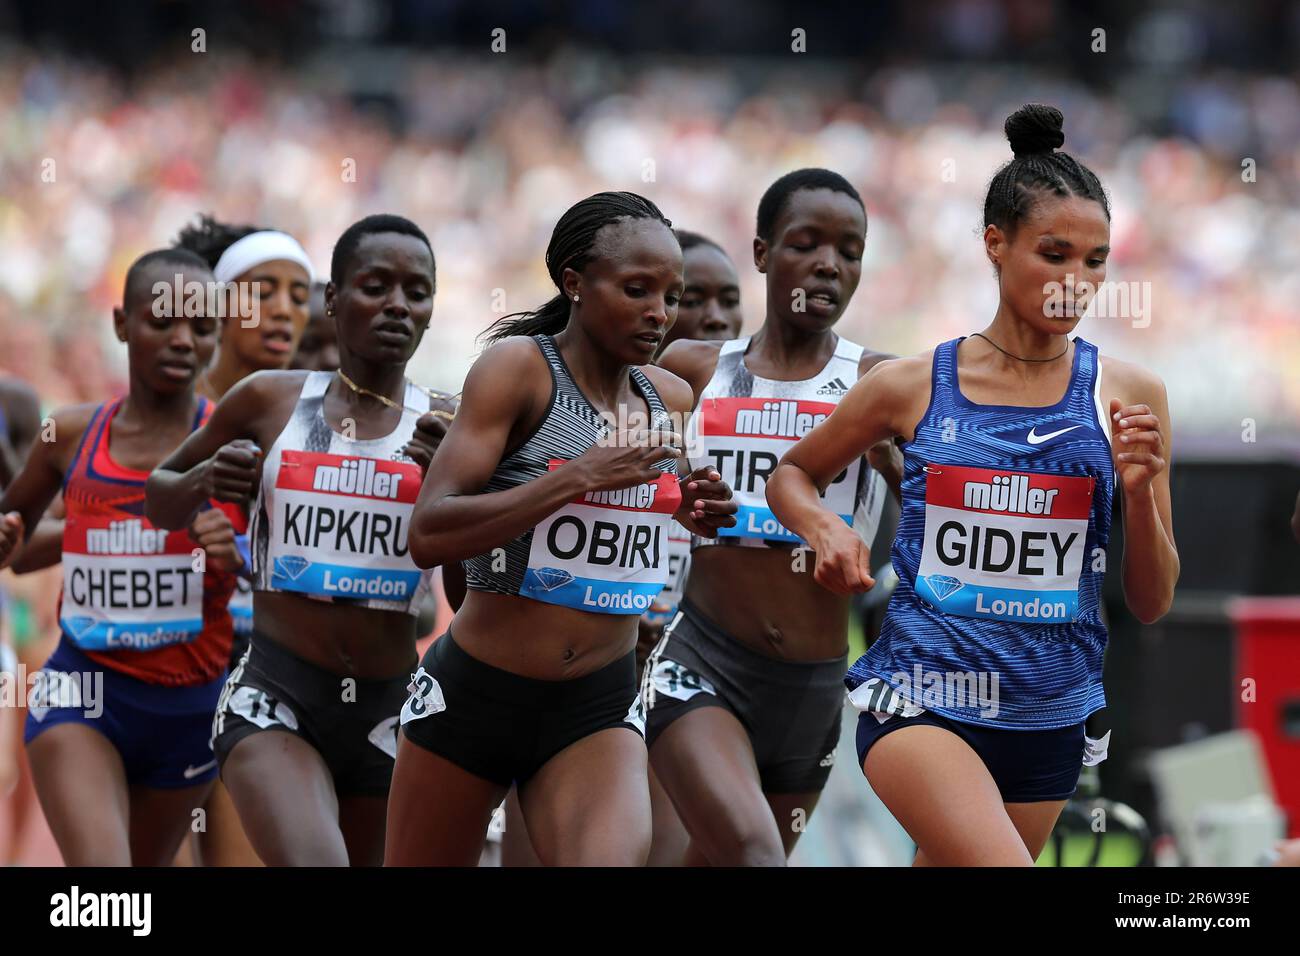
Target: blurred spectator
485, 152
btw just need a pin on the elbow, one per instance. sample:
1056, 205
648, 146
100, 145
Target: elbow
153, 498
1152, 607
156, 504
1149, 615
423, 552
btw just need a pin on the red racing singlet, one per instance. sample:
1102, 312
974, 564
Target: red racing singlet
132, 599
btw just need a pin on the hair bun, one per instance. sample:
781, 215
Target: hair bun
1035, 129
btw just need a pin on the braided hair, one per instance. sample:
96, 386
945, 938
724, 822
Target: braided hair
210, 237
1038, 168
572, 246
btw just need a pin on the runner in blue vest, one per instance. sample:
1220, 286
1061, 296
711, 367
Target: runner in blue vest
989, 660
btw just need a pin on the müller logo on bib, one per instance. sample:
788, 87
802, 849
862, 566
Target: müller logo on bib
605, 551
343, 525
745, 438
1005, 545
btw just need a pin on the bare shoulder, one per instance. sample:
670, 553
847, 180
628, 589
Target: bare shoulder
674, 391
514, 356
905, 373
1131, 383
870, 359
266, 385
64, 429
693, 360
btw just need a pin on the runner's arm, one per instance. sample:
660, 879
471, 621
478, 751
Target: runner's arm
184, 481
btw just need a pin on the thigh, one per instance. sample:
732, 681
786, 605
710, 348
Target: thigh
1034, 822
668, 839
792, 811
160, 818
589, 805
81, 784
706, 764
285, 797
438, 812
362, 819
938, 788
516, 844
222, 841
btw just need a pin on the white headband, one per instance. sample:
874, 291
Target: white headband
256, 248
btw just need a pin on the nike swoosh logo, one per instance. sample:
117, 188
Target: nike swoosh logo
1039, 439
192, 771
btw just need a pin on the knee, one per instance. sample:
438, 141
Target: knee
746, 846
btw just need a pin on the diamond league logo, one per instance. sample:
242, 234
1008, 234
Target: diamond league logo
550, 578
291, 566
943, 585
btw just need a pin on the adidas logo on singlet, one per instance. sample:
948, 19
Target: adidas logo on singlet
835, 386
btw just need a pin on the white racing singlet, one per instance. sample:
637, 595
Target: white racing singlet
745, 424
333, 514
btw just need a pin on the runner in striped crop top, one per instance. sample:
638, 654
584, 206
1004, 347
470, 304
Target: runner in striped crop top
556, 487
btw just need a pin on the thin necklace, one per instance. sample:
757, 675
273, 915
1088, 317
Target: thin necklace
1018, 358
432, 393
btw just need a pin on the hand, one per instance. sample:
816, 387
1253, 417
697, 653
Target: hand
213, 532
627, 459
430, 429
1137, 444
706, 503
11, 536
843, 561
233, 471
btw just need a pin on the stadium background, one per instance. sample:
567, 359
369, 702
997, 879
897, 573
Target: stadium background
304, 116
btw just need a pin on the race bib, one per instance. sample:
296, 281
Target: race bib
128, 585
342, 525
606, 551
745, 439
1003, 545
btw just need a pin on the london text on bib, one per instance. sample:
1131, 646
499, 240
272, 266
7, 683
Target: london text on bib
1005, 545
606, 551
128, 585
342, 526
746, 438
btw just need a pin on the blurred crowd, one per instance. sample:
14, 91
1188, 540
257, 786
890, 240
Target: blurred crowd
485, 152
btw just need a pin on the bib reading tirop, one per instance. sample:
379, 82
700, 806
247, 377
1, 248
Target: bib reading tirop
747, 439
128, 585
744, 426
1005, 545
341, 526
605, 551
